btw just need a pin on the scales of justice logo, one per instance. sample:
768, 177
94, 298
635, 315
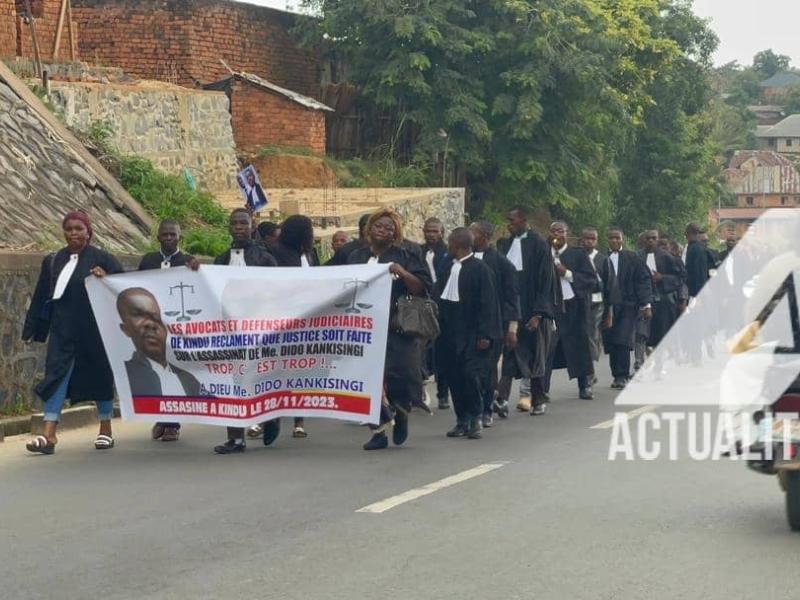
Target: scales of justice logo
184, 314
353, 306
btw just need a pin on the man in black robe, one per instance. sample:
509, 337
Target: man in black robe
628, 296
504, 277
470, 325
245, 252
697, 265
575, 279
668, 275
530, 255
434, 255
589, 240
341, 256
169, 255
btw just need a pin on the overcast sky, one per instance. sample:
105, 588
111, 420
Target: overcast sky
743, 26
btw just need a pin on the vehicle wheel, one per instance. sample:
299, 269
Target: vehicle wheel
792, 482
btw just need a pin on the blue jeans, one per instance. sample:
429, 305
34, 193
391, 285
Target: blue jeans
54, 404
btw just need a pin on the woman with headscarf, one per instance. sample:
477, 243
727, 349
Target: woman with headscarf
76, 366
402, 374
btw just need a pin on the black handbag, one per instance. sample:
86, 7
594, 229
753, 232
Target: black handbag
418, 317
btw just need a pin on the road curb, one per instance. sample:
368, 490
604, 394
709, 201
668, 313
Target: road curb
71, 418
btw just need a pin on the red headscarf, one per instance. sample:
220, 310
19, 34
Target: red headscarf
79, 215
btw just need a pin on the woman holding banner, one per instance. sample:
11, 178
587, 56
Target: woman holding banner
402, 373
76, 366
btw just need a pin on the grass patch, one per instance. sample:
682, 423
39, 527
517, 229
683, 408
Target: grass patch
274, 150
17, 408
164, 196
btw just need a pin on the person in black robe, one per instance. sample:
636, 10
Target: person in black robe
469, 316
402, 372
341, 256
434, 254
169, 255
267, 233
245, 252
589, 239
506, 285
294, 248
575, 280
697, 265
668, 275
530, 255
628, 296
76, 366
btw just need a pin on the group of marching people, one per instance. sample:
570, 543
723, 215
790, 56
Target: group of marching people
518, 310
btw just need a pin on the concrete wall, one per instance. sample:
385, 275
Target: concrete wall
172, 126
182, 41
263, 119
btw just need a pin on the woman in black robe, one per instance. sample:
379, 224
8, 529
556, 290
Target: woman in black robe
293, 248
402, 374
76, 366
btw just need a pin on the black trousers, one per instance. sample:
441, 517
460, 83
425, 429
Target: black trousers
467, 376
619, 357
438, 369
491, 380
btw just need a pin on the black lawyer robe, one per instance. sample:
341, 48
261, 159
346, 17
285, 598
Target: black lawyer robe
475, 316
506, 285
665, 294
572, 350
440, 258
697, 267
536, 295
290, 257
402, 370
153, 260
255, 255
624, 295
73, 333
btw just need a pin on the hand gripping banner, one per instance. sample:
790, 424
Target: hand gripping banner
240, 345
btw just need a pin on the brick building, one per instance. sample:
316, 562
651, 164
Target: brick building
265, 114
763, 179
182, 41
778, 87
15, 33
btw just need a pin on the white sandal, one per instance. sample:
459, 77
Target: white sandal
103, 442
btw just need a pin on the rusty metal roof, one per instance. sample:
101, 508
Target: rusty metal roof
293, 96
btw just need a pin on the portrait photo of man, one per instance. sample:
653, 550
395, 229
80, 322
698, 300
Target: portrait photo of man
149, 373
254, 197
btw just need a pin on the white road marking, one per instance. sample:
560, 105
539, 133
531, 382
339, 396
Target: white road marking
630, 414
394, 501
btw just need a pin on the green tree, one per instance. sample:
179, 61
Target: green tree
671, 173
767, 63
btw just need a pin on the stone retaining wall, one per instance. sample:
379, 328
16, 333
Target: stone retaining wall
174, 127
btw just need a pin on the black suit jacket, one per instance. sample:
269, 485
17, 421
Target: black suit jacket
633, 279
144, 381
584, 278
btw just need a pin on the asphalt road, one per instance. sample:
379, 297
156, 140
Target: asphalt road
554, 519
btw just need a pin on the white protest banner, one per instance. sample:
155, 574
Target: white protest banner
240, 345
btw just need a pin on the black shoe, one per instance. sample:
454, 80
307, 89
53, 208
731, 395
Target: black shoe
444, 404
538, 409
400, 431
474, 431
231, 447
379, 441
619, 383
586, 393
487, 420
501, 408
458, 431
272, 429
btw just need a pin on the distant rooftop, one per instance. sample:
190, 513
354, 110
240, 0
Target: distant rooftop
778, 80
789, 127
